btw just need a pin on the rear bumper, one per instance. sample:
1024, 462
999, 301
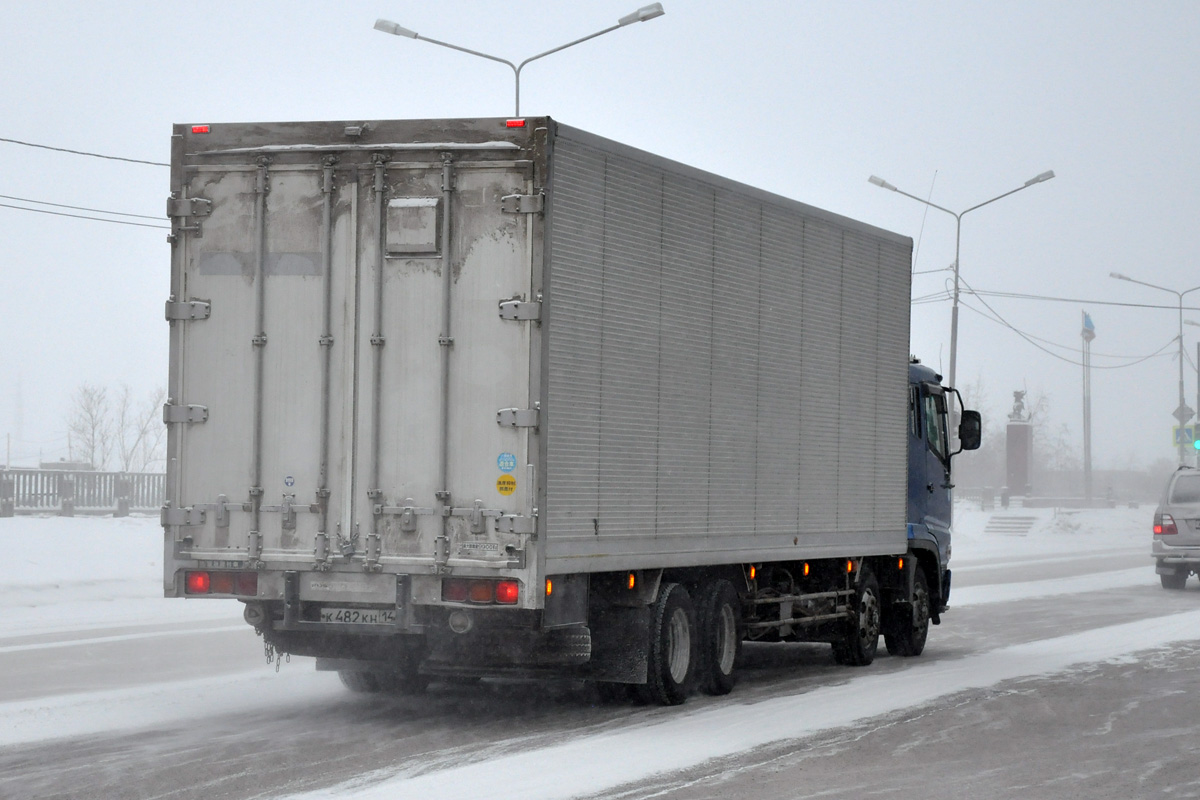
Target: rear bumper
1169, 559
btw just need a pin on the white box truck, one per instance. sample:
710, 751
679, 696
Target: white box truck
499, 396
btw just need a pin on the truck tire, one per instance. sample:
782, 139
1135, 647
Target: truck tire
907, 636
358, 681
719, 623
670, 647
1174, 581
857, 647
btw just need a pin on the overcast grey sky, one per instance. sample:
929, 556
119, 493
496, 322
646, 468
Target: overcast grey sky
805, 99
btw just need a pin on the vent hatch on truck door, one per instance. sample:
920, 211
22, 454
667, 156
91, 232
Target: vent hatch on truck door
412, 226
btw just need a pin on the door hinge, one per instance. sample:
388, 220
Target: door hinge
517, 417
517, 309
188, 207
170, 516
511, 523
523, 203
189, 309
177, 414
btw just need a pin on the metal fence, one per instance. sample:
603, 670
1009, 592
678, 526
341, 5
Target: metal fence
67, 492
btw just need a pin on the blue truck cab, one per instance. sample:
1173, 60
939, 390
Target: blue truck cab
929, 475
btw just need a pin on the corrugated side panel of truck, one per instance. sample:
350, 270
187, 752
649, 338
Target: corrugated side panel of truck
320, 366
726, 370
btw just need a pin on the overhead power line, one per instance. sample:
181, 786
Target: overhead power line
77, 208
1023, 296
81, 216
997, 318
84, 153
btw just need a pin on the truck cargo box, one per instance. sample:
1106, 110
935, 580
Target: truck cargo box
515, 349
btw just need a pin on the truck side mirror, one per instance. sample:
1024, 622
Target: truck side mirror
970, 430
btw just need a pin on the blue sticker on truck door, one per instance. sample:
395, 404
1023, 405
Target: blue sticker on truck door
507, 462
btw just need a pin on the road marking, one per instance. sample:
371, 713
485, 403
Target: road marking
124, 637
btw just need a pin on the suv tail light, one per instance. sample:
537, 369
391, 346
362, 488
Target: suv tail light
1164, 525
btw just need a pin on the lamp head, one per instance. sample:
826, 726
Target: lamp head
1119, 276
387, 26
1045, 176
643, 14
881, 183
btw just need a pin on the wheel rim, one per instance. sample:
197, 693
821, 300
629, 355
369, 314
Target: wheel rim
726, 640
868, 619
679, 645
920, 613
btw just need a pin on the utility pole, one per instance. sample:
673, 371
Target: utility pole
1087, 334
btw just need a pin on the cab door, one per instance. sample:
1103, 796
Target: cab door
929, 488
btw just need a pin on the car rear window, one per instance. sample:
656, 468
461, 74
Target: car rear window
1186, 489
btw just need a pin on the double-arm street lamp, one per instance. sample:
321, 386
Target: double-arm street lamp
1183, 413
880, 182
641, 15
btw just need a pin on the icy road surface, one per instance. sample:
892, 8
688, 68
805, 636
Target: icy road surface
1062, 670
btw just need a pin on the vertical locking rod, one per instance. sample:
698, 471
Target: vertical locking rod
259, 342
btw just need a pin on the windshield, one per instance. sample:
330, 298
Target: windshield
1186, 489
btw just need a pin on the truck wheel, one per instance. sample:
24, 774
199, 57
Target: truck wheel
908, 636
671, 647
719, 622
357, 681
857, 648
1175, 580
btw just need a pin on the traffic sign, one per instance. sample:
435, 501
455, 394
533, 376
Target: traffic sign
1183, 413
1184, 434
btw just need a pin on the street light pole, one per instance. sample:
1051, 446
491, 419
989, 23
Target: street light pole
643, 14
880, 182
1182, 413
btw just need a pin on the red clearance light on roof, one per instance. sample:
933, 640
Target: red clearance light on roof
199, 129
515, 123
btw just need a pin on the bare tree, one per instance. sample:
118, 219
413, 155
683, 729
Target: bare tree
139, 430
115, 429
90, 425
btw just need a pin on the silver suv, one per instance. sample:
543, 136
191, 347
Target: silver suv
1176, 548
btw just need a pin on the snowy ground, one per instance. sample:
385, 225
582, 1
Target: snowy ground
96, 580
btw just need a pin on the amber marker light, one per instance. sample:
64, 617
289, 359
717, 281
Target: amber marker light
632, 580
549, 587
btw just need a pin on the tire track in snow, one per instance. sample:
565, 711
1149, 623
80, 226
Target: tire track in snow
592, 764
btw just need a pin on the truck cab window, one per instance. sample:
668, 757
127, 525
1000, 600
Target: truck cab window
914, 412
934, 408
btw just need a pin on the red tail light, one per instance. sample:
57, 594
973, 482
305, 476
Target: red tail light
244, 584
507, 592
455, 591
198, 583
482, 592
1164, 525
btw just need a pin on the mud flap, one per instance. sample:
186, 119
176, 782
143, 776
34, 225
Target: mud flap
619, 636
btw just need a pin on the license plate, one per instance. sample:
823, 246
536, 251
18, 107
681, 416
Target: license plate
359, 616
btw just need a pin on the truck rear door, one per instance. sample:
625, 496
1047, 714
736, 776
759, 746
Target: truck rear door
342, 356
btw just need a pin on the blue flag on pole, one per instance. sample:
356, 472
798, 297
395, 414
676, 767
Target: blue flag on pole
1089, 329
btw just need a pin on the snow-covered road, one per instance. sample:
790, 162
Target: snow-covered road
168, 691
